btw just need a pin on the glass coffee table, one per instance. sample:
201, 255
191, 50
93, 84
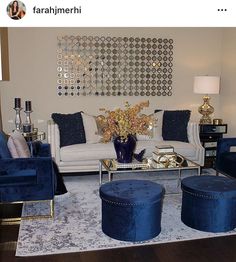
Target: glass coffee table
112, 167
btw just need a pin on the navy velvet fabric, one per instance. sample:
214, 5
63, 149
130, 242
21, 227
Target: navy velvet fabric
71, 128
41, 150
131, 209
226, 160
28, 178
22, 177
208, 203
4, 151
175, 124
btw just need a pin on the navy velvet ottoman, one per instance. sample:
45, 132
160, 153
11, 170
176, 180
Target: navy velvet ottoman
209, 203
131, 209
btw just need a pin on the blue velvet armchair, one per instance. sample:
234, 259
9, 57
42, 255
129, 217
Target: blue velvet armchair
27, 179
225, 158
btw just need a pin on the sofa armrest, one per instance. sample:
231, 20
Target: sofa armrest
193, 133
54, 140
194, 139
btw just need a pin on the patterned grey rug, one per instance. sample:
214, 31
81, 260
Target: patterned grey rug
77, 223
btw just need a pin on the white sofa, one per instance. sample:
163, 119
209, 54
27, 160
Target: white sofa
85, 157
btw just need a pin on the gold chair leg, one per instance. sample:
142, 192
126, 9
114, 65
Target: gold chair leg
16, 220
10, 220
52, 208
51, 215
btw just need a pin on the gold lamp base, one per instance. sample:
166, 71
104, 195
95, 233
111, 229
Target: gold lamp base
206, 110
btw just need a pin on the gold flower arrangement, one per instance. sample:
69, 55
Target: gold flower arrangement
124, 122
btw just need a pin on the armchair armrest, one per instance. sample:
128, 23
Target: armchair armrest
42, 165
225, 160
224, 145
40, 187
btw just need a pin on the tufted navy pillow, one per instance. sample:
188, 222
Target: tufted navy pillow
71, 128
4, 151
175, 125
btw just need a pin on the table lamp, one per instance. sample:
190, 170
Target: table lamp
206, 85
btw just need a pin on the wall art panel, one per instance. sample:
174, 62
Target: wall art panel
114, 66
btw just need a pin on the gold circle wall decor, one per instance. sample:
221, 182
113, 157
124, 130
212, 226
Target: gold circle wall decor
114, 66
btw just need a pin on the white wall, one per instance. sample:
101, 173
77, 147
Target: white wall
197, 51
228, 90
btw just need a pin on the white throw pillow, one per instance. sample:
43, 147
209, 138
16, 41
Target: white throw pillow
17, 145
91, 130
156, 132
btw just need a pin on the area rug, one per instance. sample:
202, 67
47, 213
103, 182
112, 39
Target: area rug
76, 226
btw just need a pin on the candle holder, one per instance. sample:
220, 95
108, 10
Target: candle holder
27, 126
18, 118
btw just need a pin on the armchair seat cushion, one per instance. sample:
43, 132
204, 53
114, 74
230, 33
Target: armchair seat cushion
19, 178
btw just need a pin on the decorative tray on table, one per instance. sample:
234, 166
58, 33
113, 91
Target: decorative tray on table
133, 165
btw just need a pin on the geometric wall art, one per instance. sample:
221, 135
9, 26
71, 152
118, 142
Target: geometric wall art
114, 66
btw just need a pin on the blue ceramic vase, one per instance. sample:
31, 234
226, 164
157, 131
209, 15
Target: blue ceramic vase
125, 149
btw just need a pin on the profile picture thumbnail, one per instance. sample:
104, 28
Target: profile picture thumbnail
16, 10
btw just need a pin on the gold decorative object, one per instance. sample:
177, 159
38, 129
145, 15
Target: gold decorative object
167, 160
124, 122
217, 121
206, 110
206, 85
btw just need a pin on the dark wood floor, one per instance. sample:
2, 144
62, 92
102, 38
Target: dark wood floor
220, 249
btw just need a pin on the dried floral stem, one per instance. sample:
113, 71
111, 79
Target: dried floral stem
124, 122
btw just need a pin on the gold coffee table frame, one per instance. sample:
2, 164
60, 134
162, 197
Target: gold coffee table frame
108, 166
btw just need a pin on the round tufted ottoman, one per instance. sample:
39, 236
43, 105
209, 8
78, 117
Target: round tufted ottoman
209, 203
131, 209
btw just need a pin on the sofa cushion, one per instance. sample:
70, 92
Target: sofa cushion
91, 130
87, 151
71, 128
186, 149
83, 152
18, 146
175, 125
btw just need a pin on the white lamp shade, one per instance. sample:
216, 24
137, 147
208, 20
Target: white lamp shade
206, 85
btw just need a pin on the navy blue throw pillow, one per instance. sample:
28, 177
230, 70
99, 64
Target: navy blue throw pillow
175, 125
71, 128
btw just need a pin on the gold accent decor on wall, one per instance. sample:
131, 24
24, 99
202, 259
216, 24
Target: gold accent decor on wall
114, 66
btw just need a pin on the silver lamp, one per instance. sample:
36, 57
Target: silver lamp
206, 85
